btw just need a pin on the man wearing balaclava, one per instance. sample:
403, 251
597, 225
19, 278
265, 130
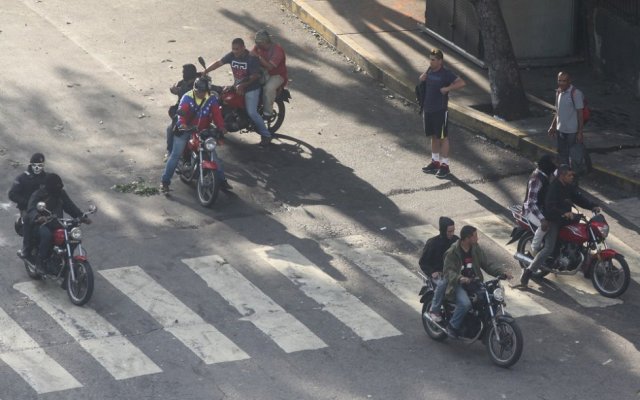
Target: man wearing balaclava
57, 202
23, 186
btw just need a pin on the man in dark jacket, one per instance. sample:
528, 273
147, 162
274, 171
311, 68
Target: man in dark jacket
561, 196
57, 202
432, 261
464, 262
23, 186
189, 75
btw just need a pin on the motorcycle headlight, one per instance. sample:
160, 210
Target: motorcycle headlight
210, 144
76, 234
604, 230
498, 294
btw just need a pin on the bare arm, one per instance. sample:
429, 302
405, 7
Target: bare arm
213, 66
455, 85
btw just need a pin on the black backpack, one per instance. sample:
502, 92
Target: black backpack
421, 90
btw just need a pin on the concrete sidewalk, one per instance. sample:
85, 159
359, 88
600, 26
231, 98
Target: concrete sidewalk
384, 37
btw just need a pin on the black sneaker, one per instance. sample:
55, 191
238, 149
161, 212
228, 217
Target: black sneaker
524, 279
432, 168
452, 332
224, 185
164, 188
265, 141
443, 171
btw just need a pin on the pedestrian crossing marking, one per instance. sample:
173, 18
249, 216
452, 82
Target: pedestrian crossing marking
93, 333
387, 271
23, 354
518, 303
575, 286
326, 291
256, 307
175, 317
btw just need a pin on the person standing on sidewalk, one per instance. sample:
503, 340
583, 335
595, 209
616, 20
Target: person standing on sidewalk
567, 123
439, 82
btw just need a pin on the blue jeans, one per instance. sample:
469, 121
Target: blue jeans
463, 304
179, 143
45, 236
438, 293
170, 138
251, 100
565, 141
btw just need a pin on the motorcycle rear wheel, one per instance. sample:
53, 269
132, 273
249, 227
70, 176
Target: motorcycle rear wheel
524, 247
605, 272
275, 122
208, 187
432, 329
81, 290
506, 352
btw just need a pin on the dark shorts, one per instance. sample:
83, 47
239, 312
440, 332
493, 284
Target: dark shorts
435, 123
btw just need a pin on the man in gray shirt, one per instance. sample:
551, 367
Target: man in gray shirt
568, 121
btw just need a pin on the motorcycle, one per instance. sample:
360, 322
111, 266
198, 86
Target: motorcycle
68, 261
235, 114
581, 246
198, 164
486, 320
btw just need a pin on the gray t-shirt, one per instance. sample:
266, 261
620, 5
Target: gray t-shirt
243, 67
567, 109
436, 80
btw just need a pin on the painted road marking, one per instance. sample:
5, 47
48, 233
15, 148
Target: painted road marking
200, 337
93, 333
255, 306
518, 303
23, 354
386, 270
581, 290
326, 291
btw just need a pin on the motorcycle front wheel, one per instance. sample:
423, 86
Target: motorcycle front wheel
208, 187
81, 289
432, 329
524, 247
187, 171
611, 277
507, 350
275, 122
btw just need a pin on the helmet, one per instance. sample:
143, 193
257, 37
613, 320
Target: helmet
36, 163
53, 184
201, 85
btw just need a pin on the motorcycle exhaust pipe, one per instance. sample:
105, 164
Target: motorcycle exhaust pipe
522, 258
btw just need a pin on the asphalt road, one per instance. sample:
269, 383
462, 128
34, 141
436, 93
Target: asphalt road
205, 302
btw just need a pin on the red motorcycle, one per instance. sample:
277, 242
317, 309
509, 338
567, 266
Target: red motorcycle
235, 114
581, 246
198, 162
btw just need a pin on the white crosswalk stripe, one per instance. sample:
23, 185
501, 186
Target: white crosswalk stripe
386, 270
23, 354
200, 337
92, 332
499, 230
518, 303
255, 306
326, 291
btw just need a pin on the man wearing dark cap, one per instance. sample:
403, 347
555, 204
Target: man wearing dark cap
439, 82
432, 261
58, 202
23, 186
464, 262
189, 75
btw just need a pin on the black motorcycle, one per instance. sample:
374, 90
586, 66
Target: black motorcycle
486, 320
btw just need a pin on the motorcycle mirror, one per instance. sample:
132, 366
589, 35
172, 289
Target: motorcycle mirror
201, 61
41, 206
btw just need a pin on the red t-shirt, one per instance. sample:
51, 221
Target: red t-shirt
275, 55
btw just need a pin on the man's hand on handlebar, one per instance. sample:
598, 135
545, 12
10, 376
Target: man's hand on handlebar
597, 210
40, 219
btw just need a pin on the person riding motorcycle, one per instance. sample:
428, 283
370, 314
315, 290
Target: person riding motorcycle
273, 60
561, 196
432, 260
198, 108
57, 201
22, 188
189, 75
463, 263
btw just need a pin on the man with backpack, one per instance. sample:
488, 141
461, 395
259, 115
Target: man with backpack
568, 122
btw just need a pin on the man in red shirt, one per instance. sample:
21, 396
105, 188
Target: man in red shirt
273, 59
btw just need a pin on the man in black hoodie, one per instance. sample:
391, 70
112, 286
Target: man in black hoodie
431, 262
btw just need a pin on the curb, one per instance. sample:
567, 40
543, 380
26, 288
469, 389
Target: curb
466, 117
